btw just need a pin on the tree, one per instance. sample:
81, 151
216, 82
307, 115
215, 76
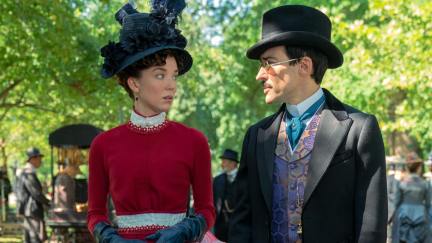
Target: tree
50, 68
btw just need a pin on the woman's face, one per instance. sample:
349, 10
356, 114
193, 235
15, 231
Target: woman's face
156, 88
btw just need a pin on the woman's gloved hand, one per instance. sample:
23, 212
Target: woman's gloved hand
191, 228
104, 233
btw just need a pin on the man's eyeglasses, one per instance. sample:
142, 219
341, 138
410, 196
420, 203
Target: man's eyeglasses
267, 65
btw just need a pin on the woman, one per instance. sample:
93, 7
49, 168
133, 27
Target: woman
412, 200
64, 189
149, 164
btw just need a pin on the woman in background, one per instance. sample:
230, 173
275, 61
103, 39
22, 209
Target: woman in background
412, 200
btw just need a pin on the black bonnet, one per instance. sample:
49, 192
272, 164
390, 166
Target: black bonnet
143, 34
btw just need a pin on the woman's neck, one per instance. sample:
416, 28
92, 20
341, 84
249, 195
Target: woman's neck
144, 111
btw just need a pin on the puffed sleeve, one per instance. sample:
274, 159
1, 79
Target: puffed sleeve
97, 186
202, 181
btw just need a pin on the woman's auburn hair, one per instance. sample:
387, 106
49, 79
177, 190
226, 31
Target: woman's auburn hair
134, 70
413, 167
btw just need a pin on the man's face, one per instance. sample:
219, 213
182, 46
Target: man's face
36, 161
228, 165
279, 81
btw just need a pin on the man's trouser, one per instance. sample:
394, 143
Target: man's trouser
34, 230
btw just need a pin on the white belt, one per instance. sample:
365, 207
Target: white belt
149, 220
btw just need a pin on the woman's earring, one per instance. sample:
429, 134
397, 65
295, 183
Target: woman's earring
136, 98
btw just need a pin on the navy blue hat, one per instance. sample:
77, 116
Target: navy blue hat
297, 25
143, 34
230, 154
33, 152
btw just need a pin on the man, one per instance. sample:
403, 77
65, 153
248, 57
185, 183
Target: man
315, 170
5, 189
223, 193
31, 198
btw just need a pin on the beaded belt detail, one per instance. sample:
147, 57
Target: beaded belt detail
141, 229
148, 221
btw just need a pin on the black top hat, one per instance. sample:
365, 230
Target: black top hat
143, 34
230, 154
33, 152
297, 25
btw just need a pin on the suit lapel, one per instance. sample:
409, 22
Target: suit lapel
266, 144
331, 132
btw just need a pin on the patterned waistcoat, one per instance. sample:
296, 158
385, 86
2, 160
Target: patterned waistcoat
289, 180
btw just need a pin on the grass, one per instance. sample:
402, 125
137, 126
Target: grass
10, 239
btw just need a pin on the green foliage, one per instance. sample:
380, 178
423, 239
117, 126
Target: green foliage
49, 74
386, 47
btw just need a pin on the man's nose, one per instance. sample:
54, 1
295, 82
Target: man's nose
261, 75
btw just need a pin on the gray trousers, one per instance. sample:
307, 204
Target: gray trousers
34, 230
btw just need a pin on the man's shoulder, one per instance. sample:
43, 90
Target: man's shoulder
360, 119
336, 106
220, 177
25, 172
218, 182
355, 113
263, 122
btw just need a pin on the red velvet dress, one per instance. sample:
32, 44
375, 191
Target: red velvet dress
149, 173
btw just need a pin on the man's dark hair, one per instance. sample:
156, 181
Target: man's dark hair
319, 60
156, 59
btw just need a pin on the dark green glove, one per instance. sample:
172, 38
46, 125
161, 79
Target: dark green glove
104, 233
191, 228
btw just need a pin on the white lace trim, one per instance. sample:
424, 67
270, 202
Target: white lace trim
149, 219
147, 122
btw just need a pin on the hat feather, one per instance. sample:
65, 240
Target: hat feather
169, 6
126, 10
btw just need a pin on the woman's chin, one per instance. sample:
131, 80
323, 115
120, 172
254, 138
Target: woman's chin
164, 108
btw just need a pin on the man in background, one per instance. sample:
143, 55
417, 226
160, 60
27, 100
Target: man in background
31, 199
223, 193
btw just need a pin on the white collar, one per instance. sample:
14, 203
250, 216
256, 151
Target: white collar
141, 121
233, 172
299, 109
30, 168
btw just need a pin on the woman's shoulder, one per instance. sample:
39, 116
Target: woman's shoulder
109, 135
188, 131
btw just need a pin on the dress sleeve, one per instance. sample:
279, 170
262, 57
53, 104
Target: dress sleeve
97, 186
202, 181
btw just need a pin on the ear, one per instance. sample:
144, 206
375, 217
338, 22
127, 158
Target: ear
306, 67
133, 84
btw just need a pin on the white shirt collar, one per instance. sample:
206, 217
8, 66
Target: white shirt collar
299, 109
30, 168
142, 121
232, 174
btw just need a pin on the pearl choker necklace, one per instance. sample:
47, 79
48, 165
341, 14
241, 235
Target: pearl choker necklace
147, 124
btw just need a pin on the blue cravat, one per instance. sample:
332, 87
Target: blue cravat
295, 125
